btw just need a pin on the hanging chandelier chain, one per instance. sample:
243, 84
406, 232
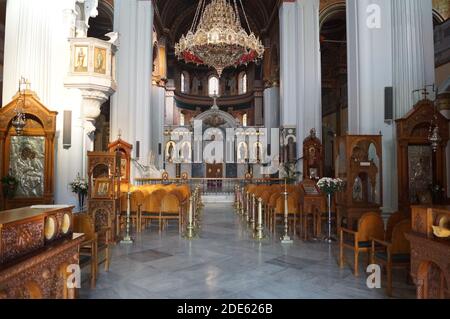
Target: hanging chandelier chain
245, 16
238, 18
197, 14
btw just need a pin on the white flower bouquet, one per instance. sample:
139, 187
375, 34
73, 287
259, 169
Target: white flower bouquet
330, 185
80, 186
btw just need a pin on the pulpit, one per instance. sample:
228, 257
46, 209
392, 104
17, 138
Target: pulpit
27, 158
421, 171
358, 162
104, 191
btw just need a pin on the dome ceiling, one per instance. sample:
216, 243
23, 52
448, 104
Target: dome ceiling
174, 17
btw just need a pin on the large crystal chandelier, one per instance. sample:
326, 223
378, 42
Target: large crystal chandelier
217, 39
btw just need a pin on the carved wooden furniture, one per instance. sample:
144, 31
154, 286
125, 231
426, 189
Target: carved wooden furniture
29, 157
430, 255
37, 247
395, 252
124, 149
88, 249
96, 243
313, 204
104, 191
313, 161
370, 226
419, 167
358, 162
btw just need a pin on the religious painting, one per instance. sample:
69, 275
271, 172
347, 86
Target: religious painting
420, 159
81, 59
27, 163
123, 168
170, 149
102, 188
100, 60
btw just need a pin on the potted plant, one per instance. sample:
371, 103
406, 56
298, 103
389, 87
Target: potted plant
9, 186
80, 187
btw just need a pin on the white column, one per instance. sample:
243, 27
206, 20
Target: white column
158, 105
289, 62
271, 107
259, 106
170, 103
131, 109
413, 51
37, 47
369, 45
309, 87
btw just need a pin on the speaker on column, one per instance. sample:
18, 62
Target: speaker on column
67, 129
159, 148
388, 104
138, 149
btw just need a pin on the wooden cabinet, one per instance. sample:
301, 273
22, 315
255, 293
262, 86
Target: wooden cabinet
358, 162
29, 157
430, 255
38, 251
313, 161
420, 169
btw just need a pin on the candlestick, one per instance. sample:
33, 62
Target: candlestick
260, 228
286, 239
127, 239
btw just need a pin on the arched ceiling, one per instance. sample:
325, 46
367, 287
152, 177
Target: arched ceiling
175, 17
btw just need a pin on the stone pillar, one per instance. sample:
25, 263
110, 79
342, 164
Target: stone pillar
37, 47
170, 103
309, 112
369, 45
259, 96
413, 51
271, 107
131, 109
288, 63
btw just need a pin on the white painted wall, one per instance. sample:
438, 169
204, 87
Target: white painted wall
36, 47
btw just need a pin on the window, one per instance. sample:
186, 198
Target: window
181, 119
213, 86
244, 120
242, 83
184, 82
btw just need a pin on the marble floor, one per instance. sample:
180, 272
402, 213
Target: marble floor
225, 262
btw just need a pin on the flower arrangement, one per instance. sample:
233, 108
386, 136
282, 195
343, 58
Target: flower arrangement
330, 185
80, 186
9, 185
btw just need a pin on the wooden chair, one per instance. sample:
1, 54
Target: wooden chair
271, 207
396, 252
152, 207
170, 209
370, 226
393, 220
83, 223
293, 210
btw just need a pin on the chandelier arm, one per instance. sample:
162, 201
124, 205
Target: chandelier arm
245, 16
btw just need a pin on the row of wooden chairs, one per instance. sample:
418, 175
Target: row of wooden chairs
387, 247
160, 203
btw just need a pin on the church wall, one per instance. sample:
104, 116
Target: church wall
36, 48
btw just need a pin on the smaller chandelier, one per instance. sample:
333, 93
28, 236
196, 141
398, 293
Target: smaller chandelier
20, 120
217, 39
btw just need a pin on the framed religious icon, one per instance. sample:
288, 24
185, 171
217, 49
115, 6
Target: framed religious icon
102, 188
310, 189
100, 60
80, 59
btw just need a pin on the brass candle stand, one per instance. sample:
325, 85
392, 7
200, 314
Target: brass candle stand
127, 239
286, 239
190, 233
259, 235
252, 218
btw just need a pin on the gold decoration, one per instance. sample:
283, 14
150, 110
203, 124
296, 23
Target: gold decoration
219, 41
